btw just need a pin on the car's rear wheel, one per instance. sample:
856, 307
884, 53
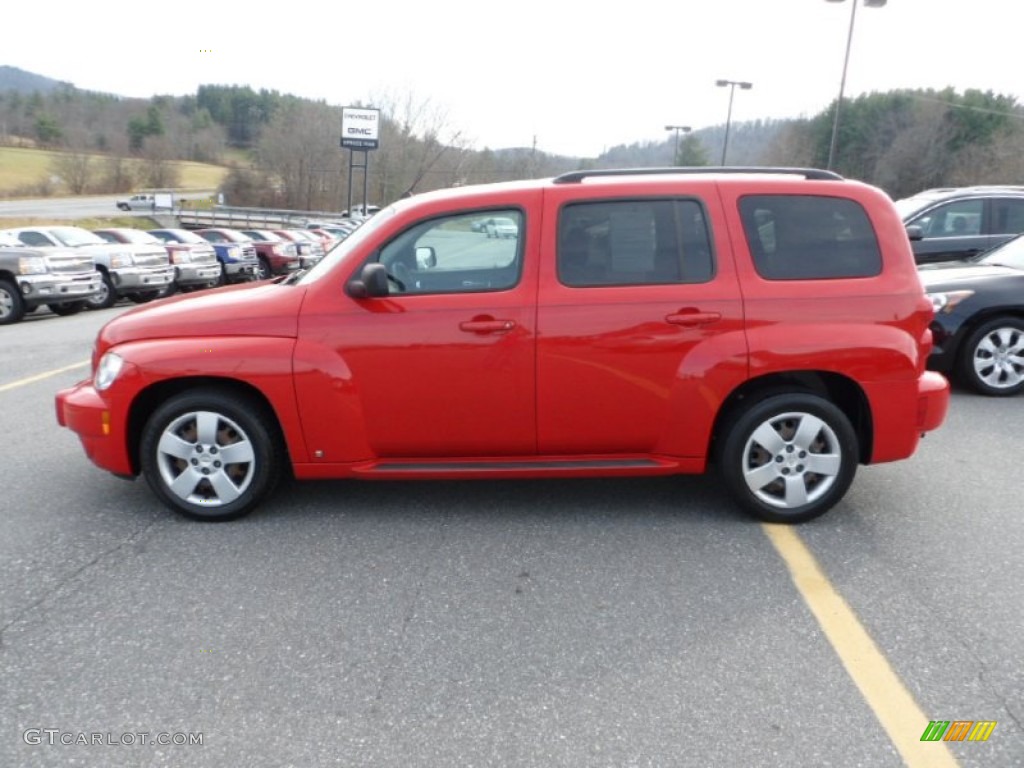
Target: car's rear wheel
68, 308
789, 457
12, 306
211, 454
992, 361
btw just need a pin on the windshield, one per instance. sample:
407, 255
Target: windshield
346, 246
73, 236
138, 236
185, 236
1009, 254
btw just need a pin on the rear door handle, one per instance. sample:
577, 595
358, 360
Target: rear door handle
693, 319
487, 326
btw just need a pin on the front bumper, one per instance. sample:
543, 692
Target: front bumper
240, 271
57, 288
197, 274
82, 410
135, 279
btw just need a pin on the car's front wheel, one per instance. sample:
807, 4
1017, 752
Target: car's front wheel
992, 361
789, 457
12, 306
211, 454
265, 272
105, 297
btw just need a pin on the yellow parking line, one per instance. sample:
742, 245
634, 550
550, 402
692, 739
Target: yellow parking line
41, 376
879, 684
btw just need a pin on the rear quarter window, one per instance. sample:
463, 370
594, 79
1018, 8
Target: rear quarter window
809, 237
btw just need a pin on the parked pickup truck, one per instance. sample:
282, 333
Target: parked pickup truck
32, 277
237, 266
273, 256
131, 271
195, 265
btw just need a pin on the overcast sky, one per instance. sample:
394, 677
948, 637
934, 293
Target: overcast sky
580, 77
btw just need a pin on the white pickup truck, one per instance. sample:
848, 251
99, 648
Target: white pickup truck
137, 272
61, 279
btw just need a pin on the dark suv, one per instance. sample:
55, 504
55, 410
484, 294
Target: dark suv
948, 224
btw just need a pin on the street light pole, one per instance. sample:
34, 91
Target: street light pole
846, 63
728, 118
677, 129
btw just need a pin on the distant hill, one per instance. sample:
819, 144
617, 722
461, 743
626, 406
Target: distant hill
14, 79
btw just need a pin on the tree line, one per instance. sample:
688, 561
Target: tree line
283, 151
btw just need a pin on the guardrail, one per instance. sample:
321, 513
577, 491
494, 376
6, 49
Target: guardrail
251, 218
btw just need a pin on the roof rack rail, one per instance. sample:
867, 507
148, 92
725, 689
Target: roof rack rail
573, 177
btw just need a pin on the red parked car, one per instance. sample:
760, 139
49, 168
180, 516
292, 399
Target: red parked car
643, 322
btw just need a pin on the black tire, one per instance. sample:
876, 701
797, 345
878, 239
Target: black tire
265, 272
767, 452
12, 306
992, 359
143, 297
107, 295
123, 207
68, 308
173, 454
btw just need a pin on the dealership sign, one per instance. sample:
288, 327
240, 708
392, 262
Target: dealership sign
360, 128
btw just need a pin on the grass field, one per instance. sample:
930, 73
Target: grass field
92, 222
22, 169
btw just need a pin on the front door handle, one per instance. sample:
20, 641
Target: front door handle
693, 319
487, 326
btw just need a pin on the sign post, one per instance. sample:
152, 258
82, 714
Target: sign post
360, 130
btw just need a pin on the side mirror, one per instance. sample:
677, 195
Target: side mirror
371, 283
915, 232
425, 257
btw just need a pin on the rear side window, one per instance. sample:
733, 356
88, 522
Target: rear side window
809, 237
633, 242
1007, 216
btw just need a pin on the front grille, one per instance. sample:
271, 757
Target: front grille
151, 259
249, 253
69, 264
202, 255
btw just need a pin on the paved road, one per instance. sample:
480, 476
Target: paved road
582, 623
71, 207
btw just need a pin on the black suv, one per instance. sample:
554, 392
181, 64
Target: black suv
955, 223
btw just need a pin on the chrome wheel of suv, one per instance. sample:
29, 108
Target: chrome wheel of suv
209, 454
993, 359
789, 458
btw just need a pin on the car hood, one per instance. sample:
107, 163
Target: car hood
958, 272
264, 309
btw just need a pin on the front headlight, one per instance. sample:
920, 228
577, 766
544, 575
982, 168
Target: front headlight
31, 265
945, 303
119, 260
234, 253
108, 370
181, 257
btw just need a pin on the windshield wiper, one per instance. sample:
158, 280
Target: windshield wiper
294, 277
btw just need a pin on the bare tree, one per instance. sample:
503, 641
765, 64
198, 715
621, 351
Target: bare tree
74, 168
